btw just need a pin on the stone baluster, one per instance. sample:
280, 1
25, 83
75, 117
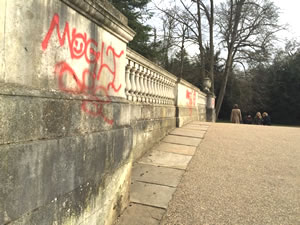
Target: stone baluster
152, 87
161, 99
158, 88
149, 81
127, 80
155, 89
132, 81
146, 84
164, 90
173, 84
137, 83
168, 91
142, 77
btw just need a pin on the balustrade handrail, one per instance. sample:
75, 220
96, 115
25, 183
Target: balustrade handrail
147, 82
132, 55
193, 87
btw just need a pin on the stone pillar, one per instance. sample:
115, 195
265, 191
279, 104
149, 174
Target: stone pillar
210, 108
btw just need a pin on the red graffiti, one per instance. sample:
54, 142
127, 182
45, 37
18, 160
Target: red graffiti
191, 96
80, 46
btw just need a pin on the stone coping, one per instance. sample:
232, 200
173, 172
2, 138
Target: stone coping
136, 57
104, 15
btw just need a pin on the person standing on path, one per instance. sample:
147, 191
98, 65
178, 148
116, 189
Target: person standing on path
236, 115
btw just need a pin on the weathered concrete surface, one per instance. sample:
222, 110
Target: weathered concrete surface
137, 214
166, 159
189, 141
174, 148
156, 175
151, 194
246, 175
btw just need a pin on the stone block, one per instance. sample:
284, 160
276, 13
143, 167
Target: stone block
37, 172
188, 133
135, 112
151, 194
156, 175
166, 159
189, 141
137, 214
174, 148
89, 203
196, 127
34, 118
147, 112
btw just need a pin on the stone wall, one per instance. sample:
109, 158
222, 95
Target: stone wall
76, 109
190, 103
65, 137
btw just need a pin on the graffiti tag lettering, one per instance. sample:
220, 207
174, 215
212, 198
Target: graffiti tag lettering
191, 97
80, 46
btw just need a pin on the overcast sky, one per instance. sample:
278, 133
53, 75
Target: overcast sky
290, 14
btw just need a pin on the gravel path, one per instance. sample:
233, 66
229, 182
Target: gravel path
241, 174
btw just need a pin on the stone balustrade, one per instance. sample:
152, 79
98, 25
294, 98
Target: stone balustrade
148, 83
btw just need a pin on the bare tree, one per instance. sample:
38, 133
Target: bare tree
246, 26
169, 25
191, 19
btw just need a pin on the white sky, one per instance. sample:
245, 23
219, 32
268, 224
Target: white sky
290, 14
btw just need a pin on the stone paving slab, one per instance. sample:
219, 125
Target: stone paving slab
142, 214
201, 123
182, 140
195, 127
156, 175
151, 194
174, 148
166, 159
188, 132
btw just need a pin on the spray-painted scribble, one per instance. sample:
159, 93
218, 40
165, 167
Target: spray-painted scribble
191, 97
88, 83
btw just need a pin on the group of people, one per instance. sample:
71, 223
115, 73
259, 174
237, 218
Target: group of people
259, 119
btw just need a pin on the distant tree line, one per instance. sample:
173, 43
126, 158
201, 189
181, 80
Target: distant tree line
253, 73
272, 87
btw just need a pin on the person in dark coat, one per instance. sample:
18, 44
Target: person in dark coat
257, 119
266, 119
248, 119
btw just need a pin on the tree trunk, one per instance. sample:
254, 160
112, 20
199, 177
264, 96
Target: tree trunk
211, 46
202, 58
182, 54
235, 18
222, 91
